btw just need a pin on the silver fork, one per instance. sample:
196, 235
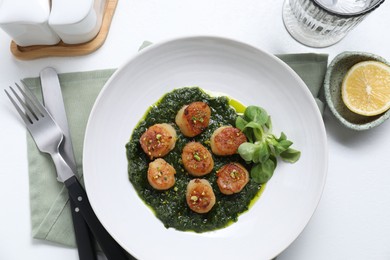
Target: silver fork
48, 137
45, 132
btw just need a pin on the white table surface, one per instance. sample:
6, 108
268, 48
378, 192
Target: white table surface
352, 220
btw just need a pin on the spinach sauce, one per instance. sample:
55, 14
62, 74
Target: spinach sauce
170, 206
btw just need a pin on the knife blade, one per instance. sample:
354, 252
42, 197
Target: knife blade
53, 100
65, 174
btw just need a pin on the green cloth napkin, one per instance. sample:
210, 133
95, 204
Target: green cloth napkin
311, 68
50, 213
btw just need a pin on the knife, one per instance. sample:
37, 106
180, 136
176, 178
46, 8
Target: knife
83, 216
53, 101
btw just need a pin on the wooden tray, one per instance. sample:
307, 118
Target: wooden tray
65, 50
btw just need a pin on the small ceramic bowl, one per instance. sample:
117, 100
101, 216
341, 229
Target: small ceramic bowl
332, 86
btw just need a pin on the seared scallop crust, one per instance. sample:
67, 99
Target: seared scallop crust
232, 178
193, 119
226, 139
158, 140
200, 196
161, 175
197, 160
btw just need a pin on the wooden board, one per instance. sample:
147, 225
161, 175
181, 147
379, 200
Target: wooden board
65, 50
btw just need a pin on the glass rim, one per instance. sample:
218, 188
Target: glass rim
344, 15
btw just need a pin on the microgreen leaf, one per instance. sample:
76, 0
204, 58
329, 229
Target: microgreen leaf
241, 123
256, 114
282, 137
268, 124
261, 153
258, 133
246, 150
257, 130
290, 155
253, 125
249, 134
262, 172
263, 147
271, 140
282, 146
285, 143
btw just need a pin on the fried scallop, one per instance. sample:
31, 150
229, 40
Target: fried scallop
200, 196
161, 175
226, 140
193, 119
158, 140
197, 160
232, 178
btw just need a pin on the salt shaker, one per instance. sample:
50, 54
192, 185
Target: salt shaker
76, 21
26, 22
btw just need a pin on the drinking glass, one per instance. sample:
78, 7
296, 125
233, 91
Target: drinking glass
321, 23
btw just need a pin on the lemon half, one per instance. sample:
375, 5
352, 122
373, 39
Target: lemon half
366, 88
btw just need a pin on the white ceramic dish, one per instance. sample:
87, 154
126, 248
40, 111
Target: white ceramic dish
77, 21
26, 22
219, 65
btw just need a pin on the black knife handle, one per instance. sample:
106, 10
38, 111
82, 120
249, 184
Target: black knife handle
109, 246
85, 246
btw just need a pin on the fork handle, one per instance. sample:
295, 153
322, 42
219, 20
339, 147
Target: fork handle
109, 246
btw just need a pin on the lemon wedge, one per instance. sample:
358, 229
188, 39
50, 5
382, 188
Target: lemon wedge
366, 88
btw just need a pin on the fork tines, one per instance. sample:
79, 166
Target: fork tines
33, 110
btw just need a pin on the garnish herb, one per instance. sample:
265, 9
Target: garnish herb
263, 148
197, 157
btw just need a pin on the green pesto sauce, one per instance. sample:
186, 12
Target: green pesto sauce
170, 206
